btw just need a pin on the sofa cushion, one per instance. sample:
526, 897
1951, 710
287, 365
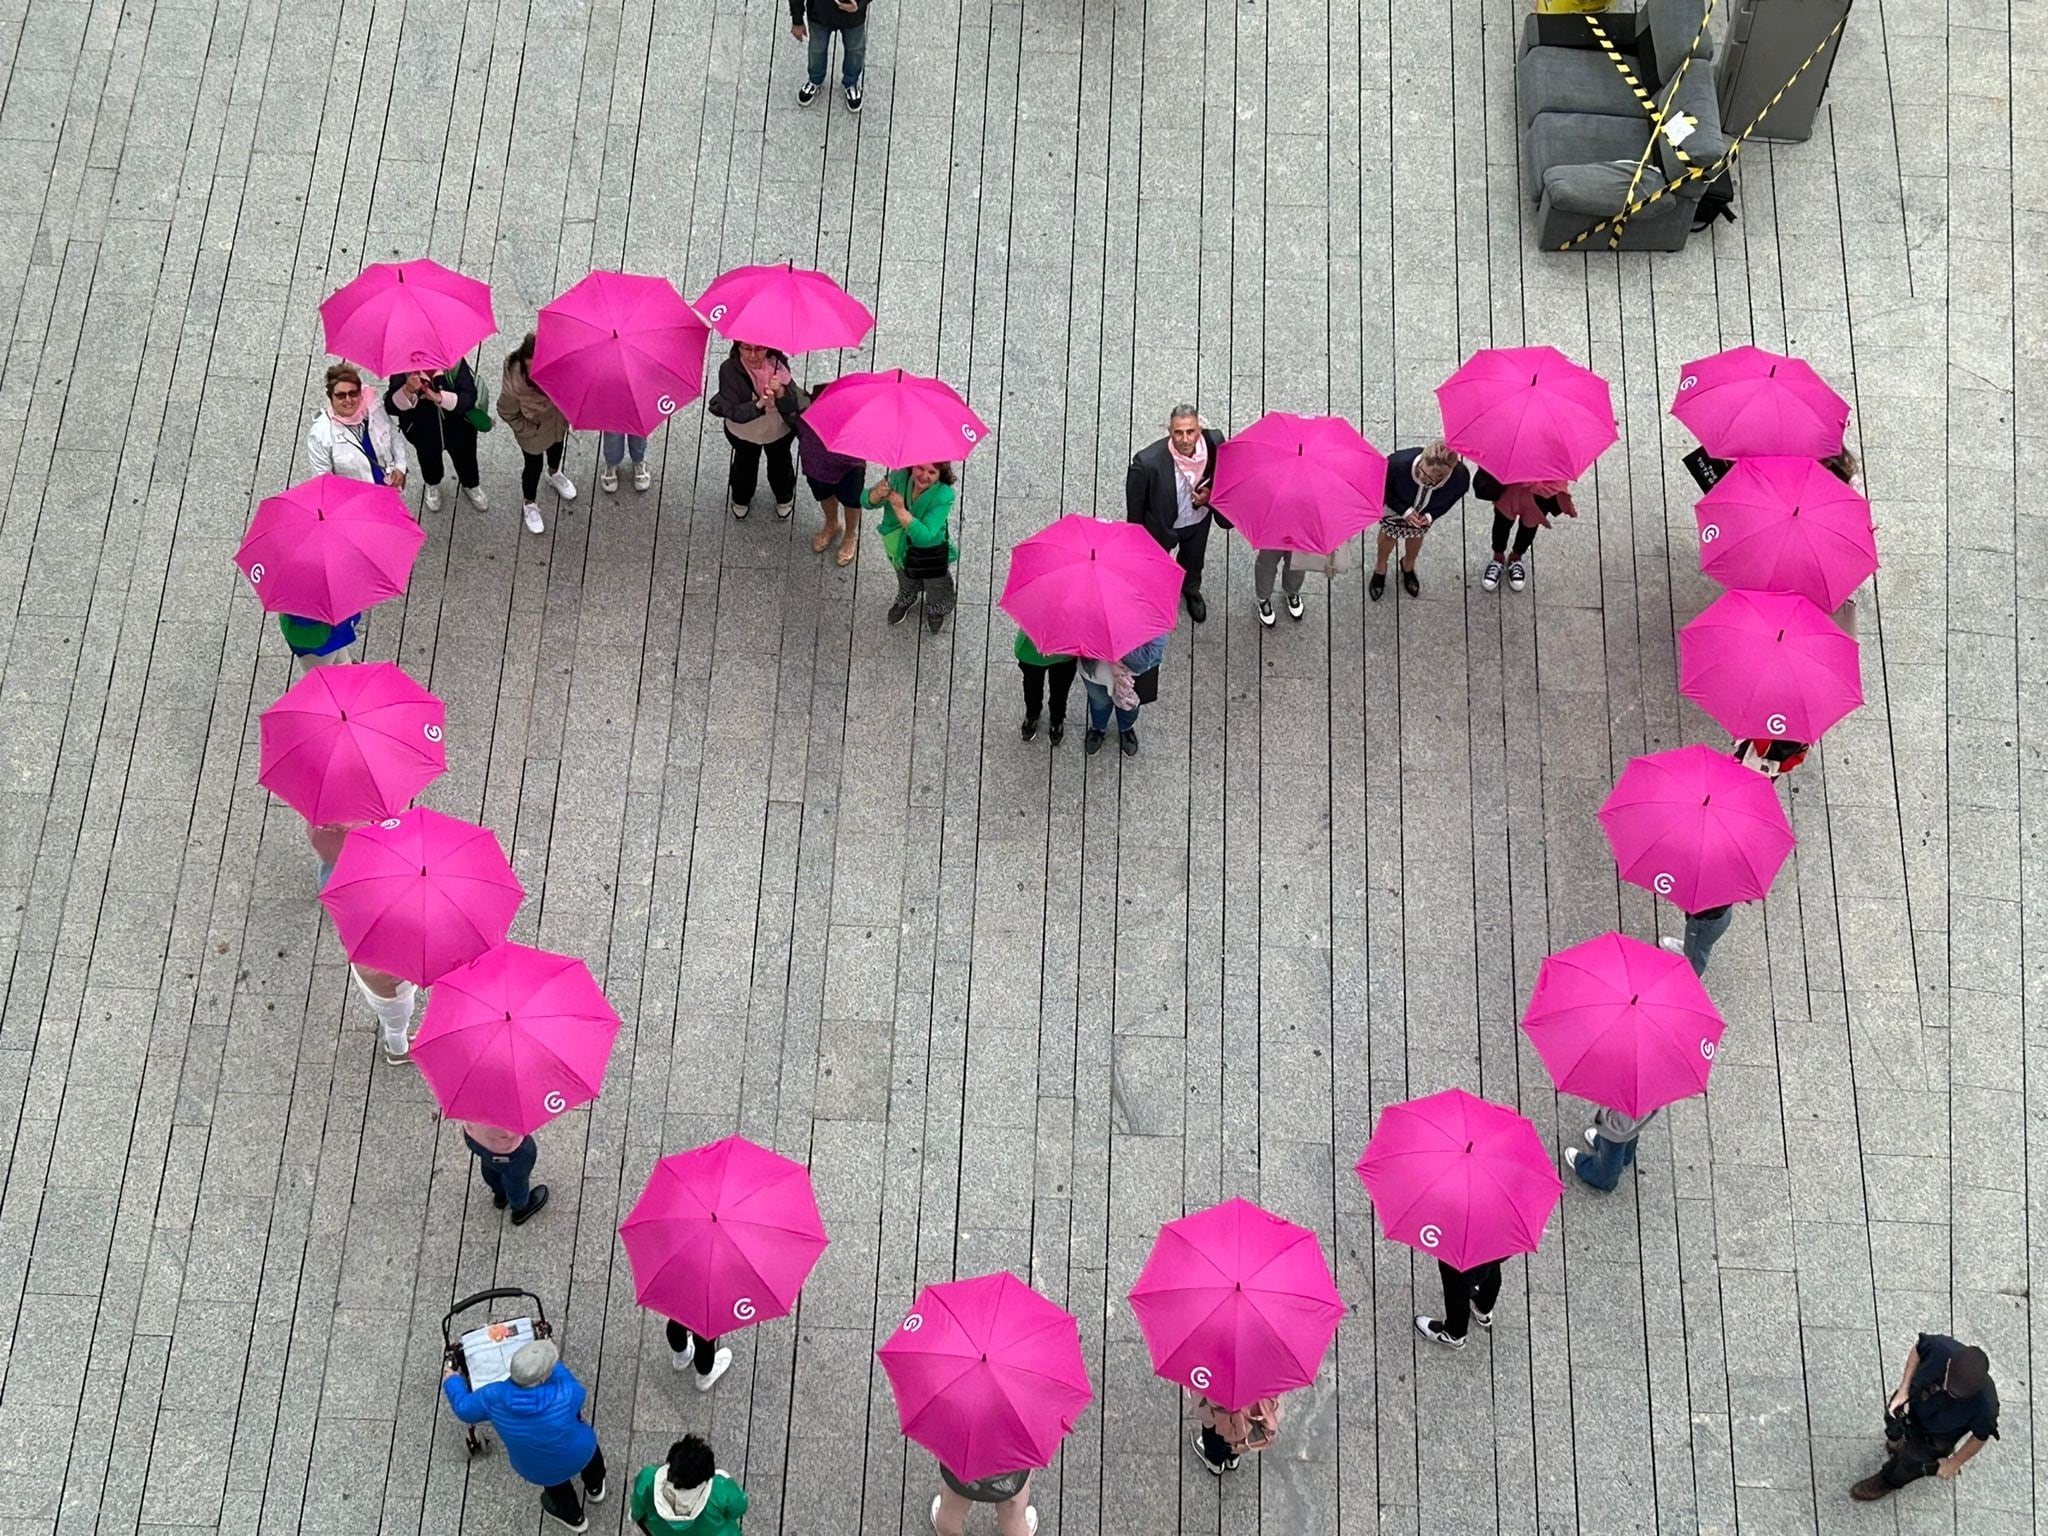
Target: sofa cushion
1580, 138
1696, 97
1673, 25
1572, 80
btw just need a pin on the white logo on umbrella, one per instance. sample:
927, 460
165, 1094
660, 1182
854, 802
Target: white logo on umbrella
554, 1103
1687, 382
1432, 1235
1198, 1378
1710, 533
389, 823
1775, 725
256, 572
433, 731
743, 1309
967, 431
666, 405
717, 313
1663, 883
1708, 1048
913, 1322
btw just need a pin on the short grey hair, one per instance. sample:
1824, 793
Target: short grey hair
1183, 409
533, 1363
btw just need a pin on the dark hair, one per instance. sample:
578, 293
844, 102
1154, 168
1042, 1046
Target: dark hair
1842, 466
946, 476
777, 353
342, 371
523, 353
690, 1463
1969, 1368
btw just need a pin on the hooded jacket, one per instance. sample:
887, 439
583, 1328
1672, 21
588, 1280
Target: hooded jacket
542, 1426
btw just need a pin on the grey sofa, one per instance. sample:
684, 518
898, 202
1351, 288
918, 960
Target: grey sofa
1583, 129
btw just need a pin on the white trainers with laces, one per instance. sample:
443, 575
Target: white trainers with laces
564, 486
720, 1364
535, 523
433, 498
642, 476
477, 498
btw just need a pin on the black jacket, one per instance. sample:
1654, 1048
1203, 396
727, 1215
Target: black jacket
734, 400
426, 418
827, 14
1149, 494
1401, 488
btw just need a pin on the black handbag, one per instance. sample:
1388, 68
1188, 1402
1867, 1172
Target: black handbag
925, 562
1147, 685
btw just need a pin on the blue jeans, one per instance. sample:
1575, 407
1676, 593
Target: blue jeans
1099, 705
1601, 1168
1701, 935
616, 445
506, 1174
853, 47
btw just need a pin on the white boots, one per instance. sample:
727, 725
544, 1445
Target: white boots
394, 1017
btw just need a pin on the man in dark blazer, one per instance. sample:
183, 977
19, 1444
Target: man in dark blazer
1167, 490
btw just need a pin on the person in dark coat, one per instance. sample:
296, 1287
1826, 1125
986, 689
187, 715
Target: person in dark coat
432, 410
1167, 490
759, 403
814, 22
538, 1413
1944, 1412
1423, 484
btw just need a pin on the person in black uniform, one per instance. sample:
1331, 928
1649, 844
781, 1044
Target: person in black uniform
1944, 1412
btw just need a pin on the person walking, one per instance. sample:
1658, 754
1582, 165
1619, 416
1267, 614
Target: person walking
540, 429
352, 437
1610, 1148
1119, 687
617, 447
1423, 484
1469, 1295
1772, 756
1271, 563
686, 1495
757, 399
1703, 930
836, 481
1222, 1437
432, 410
538, 1414
917, 514
814, 22
1944, 1411
687, 1350
1008, 1492
1520, 508
1167, 490
1040, 669
506, 1162
392, 1000
316, 644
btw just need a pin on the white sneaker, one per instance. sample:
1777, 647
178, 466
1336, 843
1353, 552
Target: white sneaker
1675, 945
720, 1364
477, 498
397, 1045
643, 477
739, 509
784, 508
1266, 614
1592, 1138
608, 479
433, 498
1432, 1330
1572, 1156
681, 1359
564, 486
534, 522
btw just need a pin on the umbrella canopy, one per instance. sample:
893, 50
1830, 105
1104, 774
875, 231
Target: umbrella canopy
988, 1375
786, 307
515, 1037
1460, 1179
723, 1236
1527, 413
1769, 664
352, 744
420, 893
329, 547
1747, 401
620, 353
1696, 826
1237, 1304
1623, 1023
895, 419
1787, 525
400, 315
1303, 483
1083, 587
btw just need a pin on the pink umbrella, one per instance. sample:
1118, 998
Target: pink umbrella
420, 893
1747, 401
1787, 525
620, 353
352, 744
1696, 826
1769, 664
988, 1375
515, 1037
723, 1236
1083, 587
1461, 1179
895, 419
1303, 483
329, 547
1623, 1023
1237, 1304
785, 307
1527, 413
398, 316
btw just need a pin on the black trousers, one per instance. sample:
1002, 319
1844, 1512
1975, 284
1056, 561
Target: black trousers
1191, 549
1061, 675
1524, 537
746, 467
1215, 1449
529, 471
1913, 1455
704, 1351
562, 1498
458, 438
1465, 1289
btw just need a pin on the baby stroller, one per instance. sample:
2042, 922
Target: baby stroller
483, 1354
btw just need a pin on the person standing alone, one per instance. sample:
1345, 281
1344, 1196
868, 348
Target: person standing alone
1167, 490
813, 22
1944, 1412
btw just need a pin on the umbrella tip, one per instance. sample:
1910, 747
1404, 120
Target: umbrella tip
1634, 998
1781, 634
1468, 1146
423, 870
1706, 800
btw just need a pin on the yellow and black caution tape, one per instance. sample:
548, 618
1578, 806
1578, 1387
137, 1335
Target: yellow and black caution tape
1658, 111
1695, 172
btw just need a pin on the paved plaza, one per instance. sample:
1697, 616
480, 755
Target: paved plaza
1015, 1007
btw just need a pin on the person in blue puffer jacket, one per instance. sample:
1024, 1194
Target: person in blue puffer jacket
539, 1416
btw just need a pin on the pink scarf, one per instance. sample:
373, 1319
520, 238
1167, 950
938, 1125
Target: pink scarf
1190, 466
769, 374
362, 410
1518, 501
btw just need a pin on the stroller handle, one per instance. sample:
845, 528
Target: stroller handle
499, 1293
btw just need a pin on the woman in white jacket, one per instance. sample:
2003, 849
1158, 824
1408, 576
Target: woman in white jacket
352, 436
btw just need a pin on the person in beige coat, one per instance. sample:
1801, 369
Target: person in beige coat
540, 428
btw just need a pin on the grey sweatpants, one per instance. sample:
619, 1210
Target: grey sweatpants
1269, 562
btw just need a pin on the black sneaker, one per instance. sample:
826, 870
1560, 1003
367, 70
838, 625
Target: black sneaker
1058, 733
499, 1202
898, 612
937, 621
853, 98
1127, 743
1433, 1330
806, 94
535, 1199
596, 1495
1031, 726
1198, 610
1518, 576
1092, 742
1491, 580
1266, 614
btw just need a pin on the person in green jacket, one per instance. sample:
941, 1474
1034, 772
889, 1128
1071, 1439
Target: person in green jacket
687, 1495
917, 506
1039, 668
